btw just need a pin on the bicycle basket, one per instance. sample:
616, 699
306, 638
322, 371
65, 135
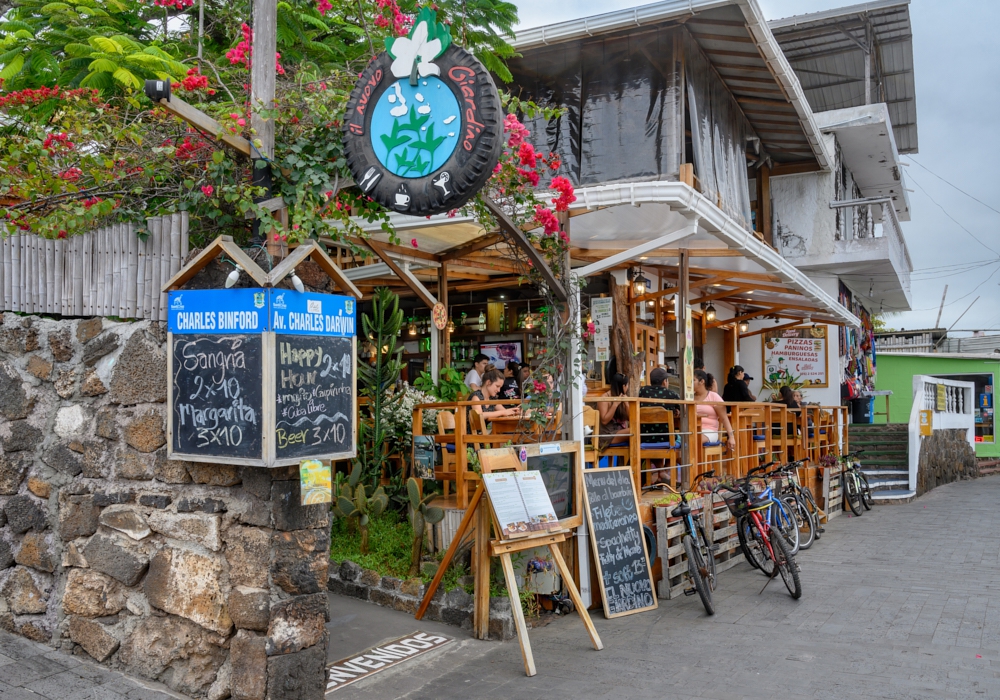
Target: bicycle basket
759, 503
737, 503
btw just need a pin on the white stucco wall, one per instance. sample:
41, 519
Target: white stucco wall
804, 223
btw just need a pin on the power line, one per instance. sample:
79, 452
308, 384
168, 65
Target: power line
951, 184
952, 217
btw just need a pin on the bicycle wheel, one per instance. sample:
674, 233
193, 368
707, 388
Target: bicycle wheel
753, 546
708, 556
803, 519
786, 566
867, 500
784, 521
810, 502
852, 495
698, 573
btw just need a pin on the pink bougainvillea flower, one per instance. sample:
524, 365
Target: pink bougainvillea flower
565, 189
207, 190
547, 219
526, 154
323, 6
413, 242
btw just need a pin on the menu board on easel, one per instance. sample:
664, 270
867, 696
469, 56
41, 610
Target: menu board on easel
521, 503
619, 545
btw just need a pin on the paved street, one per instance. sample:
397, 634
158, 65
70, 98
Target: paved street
903, 602
31, 671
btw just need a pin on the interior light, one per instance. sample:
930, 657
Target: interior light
413, 327
710, 313
451, 326
233, 277
744, 326
297, 283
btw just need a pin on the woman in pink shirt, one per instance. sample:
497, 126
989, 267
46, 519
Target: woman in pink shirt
711, 416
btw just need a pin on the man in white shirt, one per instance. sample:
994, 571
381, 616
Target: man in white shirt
474, 378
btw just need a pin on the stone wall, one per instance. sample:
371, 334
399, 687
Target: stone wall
209, 578
945, 456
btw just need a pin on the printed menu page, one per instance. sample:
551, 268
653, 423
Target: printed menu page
521, 503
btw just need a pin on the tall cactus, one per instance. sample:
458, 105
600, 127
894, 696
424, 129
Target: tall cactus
421, 514
353, 501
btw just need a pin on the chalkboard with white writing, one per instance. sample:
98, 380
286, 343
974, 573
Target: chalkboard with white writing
314, 397
618, 542
216, 397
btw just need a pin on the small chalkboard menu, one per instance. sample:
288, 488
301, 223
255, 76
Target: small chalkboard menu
261, 376
619, 545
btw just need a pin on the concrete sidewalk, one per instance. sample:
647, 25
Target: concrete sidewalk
32, 671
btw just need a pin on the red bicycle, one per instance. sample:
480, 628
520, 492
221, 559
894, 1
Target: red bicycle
762, 545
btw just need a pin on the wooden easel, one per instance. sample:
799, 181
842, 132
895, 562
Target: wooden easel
505, 459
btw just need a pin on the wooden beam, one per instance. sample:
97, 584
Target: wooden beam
656, 295
204, 123
421, 293
390, 248
721, 295
480, 286
471, 247
745, 317
315, 252
794, 324
522, 242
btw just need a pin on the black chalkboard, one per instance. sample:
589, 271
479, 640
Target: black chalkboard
216, 396
557, 471
314, 396
618, 542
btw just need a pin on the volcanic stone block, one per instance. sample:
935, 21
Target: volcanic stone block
36, 553
6, 556
188, 584
299, 676
104, 345
170, 471
14, 401
61, 345
250, 608
201, 505
92, 385
61, 458
133, 465
105, 424
145, 433
300, 560
92, 594
78, 516
39, 487
154, 500
297, 623
180, 653
214, 474
140, 374
203, 529
249, 659
289, 513
23, 596
25, 513
110, 557
126, 520
13, 467
39, 367
92, 636
248, 551
22, 437
89, 329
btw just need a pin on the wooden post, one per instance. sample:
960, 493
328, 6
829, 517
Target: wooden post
764, 203
443, 298
680, 310
262, 70
481, 569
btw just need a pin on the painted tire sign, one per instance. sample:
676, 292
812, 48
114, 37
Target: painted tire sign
424, 124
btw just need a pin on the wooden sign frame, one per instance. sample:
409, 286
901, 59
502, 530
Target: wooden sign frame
267, 418
776, 334
597, 554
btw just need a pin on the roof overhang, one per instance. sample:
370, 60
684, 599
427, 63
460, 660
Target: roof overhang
827, 51
738, 42
869, 150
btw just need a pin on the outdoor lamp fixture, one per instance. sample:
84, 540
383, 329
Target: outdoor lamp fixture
451, 325
234, 276
744, 326
710, 313
638, 281
296, 282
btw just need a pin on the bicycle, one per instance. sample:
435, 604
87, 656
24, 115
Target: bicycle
857, 492
750, 508
790, 493
779, 514
805, 495
699, 551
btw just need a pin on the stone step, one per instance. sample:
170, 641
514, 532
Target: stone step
884, 473
894, 497
878, 485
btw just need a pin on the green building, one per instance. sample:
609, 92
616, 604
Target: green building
896, 371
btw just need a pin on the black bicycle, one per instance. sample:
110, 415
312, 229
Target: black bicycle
857, 492
699, 550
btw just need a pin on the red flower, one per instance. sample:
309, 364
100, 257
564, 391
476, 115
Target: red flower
526, 154
529, 175
540, 387
62, 233
413, 242
565, 189
71, 175
545, 218
207, 190
323, 6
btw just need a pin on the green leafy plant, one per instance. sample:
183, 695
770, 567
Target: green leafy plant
450, 387
775, 386
354, 501
421, 514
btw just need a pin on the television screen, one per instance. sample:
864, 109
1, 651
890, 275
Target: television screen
500, 353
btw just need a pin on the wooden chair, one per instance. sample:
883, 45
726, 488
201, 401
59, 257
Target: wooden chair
446, 472
662, 447
825, 430
753, 439
709, 452
590, 444
618, 447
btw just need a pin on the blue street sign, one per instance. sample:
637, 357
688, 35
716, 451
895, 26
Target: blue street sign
217, 311
306, 313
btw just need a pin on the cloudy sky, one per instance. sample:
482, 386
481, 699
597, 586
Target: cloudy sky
958, 111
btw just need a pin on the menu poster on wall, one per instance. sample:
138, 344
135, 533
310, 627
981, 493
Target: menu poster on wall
601, 314
521, 503
796, 356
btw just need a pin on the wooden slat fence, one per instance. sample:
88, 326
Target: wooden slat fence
107, 272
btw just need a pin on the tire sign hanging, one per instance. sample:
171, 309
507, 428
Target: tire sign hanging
424, 125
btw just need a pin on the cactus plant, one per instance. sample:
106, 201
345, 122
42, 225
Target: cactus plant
355, 504
421, 514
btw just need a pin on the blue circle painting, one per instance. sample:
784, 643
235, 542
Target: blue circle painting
415, 128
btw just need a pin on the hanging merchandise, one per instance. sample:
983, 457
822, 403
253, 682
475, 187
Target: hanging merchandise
857, 348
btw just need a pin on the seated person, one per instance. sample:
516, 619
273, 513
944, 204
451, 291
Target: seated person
614, 414
736, 388
713, 418
511, 389
492, 381
657, 389
474, 377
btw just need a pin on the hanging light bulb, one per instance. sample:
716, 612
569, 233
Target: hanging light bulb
297, 283
451, 325
744, 326
529, 322
638, 282
710, 313
413, 327
234, 276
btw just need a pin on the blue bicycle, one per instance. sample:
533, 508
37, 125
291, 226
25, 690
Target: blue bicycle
699, 550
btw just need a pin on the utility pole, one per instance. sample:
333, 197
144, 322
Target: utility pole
264, 46
937, 323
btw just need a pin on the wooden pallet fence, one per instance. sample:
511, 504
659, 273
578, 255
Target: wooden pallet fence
670, 545
833, 499
106, 272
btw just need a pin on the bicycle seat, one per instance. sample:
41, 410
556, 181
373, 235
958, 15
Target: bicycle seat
680, 511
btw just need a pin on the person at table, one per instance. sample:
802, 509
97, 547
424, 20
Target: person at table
712, 383
474, 377
490, 389
511, 388
713, 418
746, 380
657, 432
614, 414
736, 389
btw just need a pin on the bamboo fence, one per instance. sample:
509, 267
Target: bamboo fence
107, 272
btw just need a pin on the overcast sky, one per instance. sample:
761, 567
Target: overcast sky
958, 118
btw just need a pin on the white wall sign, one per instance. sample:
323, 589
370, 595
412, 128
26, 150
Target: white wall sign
796, 355
602, 315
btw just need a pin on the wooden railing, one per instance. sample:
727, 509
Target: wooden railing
763, 432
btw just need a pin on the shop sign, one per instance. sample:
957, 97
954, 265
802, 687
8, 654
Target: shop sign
796, 356
926, 422
371, 661
603, 317
688, 355
424, 124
